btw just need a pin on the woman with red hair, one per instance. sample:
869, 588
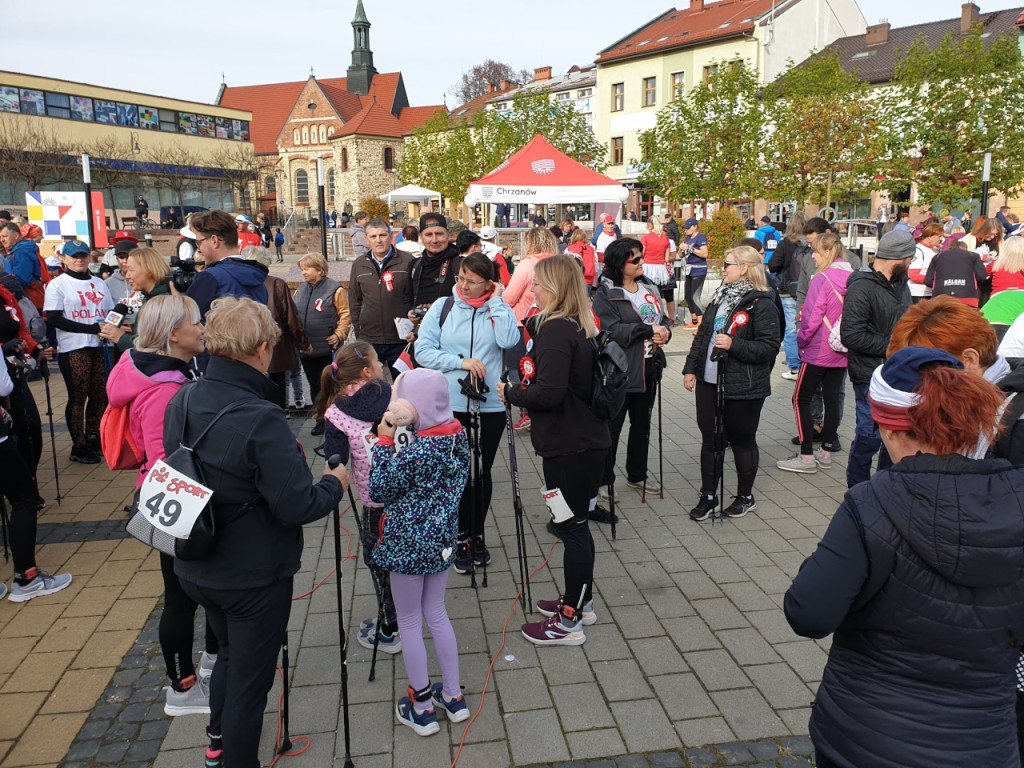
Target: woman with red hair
920, 579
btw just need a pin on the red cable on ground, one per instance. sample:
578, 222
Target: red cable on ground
280, 725
490, 668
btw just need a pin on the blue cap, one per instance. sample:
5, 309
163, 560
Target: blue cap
75, 248
690, 223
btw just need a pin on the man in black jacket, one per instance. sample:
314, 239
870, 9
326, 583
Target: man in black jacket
433, 274
876, 297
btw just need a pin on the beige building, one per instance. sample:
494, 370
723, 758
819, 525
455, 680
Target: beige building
137, 137
659, 62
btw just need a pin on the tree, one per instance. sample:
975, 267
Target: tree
707, 144
244, 169
823, 139
35, 153
447, 154
374, 207
951, 104
474, 81
174, 168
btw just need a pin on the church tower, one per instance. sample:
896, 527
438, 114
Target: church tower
361, 71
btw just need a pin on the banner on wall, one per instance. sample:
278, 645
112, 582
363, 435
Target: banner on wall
63, 214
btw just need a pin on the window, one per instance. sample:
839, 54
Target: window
563, 96
168, 120
58, 105
710, 71
32, 102
678, 84
618, 97
128, 115
650, 91
295, 136
583, 93
270, 186
305, 134
501, 106
149, 119
389, 159
301, 187
323, 134
617, 150
81, 109
344, 159
330, 184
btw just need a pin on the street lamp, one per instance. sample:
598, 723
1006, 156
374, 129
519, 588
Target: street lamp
320, 201
986, 172
87, 179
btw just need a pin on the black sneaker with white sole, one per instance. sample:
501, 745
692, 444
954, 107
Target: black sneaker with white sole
704, 508
740, 506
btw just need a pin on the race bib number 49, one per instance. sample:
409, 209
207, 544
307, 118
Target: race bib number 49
172, 501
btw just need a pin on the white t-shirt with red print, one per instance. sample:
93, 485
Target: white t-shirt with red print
81, 301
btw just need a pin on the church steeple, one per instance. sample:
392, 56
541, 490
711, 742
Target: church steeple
361, 71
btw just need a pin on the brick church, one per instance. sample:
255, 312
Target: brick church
354, 123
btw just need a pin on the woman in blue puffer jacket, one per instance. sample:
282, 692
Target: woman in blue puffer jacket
464, 335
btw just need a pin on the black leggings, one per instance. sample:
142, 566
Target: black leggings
17, 485
28, 428
313, 366
808, 381
277, 396
492, 426
741, 418
577, 476
176, 624
85, 377
693, 285
638, 406
381, 577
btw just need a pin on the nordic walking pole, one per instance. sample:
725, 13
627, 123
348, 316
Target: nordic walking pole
473, 399
650, 415
3, 529
517, 507
44, 370
286, 739
377, 588
333, 462
720, 436
661, 455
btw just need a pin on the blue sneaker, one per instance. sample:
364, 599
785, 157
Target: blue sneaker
455, 709
424, 723
387, 643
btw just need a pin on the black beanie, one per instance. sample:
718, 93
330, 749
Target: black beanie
432, 219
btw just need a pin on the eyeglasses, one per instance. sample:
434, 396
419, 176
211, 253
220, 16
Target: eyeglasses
731, 264
469, 283
201, 240
636, 260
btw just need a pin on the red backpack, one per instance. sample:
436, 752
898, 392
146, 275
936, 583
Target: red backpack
116, 439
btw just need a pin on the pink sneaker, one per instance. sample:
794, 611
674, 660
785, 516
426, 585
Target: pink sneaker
551, 631
554, 607
523, 423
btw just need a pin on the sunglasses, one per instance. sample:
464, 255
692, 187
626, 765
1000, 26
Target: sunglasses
636, 260
731, 264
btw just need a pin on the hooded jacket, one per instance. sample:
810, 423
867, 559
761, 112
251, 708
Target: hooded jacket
755, 346
349, 419
147, 382
230, 276
871, 309
920, 576
822, 310
619, 317
467, 332
374, 302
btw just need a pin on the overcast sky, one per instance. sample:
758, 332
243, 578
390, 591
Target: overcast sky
180, 49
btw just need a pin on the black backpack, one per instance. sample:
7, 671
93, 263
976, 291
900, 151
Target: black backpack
611, 374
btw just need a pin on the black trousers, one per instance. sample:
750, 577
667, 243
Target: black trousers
176, 624
313, 366
388, 354
250, 625
381, 577
492, 426
741, 418
692, 287
577, 476
830, 381
277, 397
18, 486
638, 406
28, 427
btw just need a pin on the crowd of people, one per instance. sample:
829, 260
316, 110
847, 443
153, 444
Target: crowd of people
414, 368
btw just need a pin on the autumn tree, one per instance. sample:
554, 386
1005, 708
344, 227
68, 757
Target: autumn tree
823, 139
707, 144
474, 81
951, 104
34, 152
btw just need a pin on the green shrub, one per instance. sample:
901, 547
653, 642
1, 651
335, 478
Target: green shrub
375, 207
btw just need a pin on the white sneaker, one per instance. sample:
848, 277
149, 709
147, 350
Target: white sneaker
796, 463
3, 591
194, 701
791, 375
602, 493
206, 664
42, 584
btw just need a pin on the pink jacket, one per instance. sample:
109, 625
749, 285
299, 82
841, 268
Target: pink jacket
148, 382
823, 302
359, 449
519, 294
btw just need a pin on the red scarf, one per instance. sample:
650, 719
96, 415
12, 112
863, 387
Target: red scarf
475, 303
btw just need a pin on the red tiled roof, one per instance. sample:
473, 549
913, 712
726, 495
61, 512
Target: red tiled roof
374, 120
413, 117
683, 28
272, 103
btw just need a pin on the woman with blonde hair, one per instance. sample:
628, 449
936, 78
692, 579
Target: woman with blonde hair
265, 493
323, 310
1008, 269
821, 364
557, 385
735, 348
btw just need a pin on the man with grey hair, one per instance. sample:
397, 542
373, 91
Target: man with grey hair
377, 293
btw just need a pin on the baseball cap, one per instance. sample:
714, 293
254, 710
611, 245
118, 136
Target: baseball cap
766, 219
242, 217
122, 235
455, 226
52, 262
690, 223
123, 247
488, 233
75, 248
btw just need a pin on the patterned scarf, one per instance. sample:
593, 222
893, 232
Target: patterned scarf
728, 295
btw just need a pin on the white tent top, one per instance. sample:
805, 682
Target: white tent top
413, 193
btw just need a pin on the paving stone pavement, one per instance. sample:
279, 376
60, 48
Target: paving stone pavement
691, 662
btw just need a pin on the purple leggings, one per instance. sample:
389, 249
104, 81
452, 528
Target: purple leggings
417, 597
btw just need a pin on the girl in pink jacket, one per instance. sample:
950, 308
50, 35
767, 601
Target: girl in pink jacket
820, 363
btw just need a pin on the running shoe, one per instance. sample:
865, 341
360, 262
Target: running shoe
82, 455
42, 584
424, 723
551, 631
481, 555
704, 508
387, 643
740, 506
823, 458
3, 591
554, 607
523, 423
463, 562
454, 709
206, 663
652, 485
194, 701
791, 375
796, 463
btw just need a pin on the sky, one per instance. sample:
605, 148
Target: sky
181, 49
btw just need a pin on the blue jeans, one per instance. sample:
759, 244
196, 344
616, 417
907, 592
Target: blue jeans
789, 340
867, 441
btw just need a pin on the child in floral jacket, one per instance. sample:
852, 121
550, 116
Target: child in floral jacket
420, 488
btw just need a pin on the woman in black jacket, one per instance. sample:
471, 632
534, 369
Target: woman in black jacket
920, 576
735, 348
263, 494
629, 307
557, 380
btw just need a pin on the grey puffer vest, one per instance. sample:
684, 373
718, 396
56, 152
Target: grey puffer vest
319, 317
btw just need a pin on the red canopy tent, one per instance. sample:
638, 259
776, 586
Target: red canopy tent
540, 174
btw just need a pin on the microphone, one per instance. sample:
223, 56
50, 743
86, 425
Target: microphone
738, 321
116, 316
